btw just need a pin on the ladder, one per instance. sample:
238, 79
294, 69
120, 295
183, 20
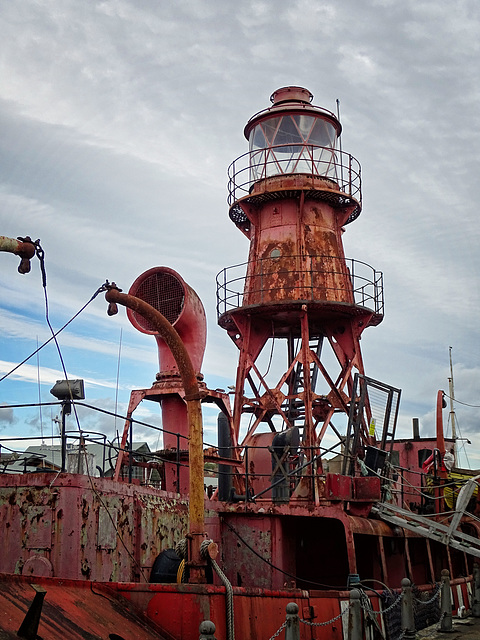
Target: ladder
295, 409
446, 534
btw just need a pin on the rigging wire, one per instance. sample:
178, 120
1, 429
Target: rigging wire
6, 375
39, 394
465, 404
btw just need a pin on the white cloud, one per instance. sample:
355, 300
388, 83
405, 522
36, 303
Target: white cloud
120, 119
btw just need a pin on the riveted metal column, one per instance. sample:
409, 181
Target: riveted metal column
194, 410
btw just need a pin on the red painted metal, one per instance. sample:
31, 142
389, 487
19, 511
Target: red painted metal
338, 487
71, 609
260, 611
440, 436
166, 291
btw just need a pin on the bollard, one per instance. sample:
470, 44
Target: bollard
446, 607
355, 631
207, 630
476, 590
408, 619
292, 630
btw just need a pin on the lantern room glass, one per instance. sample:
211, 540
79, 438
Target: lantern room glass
293, 143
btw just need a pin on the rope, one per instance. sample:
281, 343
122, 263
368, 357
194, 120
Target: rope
228, 589
181, 548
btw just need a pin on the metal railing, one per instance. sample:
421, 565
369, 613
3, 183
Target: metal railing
313, 160
366, 282
17, 457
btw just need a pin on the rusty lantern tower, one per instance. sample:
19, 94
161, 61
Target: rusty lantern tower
292, 195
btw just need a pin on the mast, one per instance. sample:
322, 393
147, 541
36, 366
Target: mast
451, 388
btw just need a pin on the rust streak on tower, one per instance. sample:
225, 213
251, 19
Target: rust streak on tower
292, 195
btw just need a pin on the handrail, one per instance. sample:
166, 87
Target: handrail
367, 283
310, 159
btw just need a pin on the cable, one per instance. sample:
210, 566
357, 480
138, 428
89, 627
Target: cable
290, 575
466, 404
99, 290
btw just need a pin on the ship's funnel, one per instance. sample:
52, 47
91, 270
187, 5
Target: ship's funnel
166, 291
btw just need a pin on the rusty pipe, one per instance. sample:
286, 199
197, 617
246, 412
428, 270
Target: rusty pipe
23, 247
196, 514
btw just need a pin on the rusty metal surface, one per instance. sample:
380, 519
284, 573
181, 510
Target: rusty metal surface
306, 283
293, 201
73, 528
24, 248
72, 610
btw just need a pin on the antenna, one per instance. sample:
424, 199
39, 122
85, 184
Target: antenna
118, 375
340, 136
39, 394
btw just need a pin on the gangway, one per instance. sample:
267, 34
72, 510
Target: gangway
432, 529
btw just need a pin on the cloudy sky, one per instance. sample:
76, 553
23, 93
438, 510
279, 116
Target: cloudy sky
118, 121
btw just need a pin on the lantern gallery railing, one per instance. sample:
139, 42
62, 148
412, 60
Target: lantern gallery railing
367, 283
312, 160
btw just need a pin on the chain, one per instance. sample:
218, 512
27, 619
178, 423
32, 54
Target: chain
389, 608
40, 253
277, 633
325, 624
434, 597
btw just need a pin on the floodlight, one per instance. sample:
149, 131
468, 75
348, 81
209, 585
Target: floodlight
68, 390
